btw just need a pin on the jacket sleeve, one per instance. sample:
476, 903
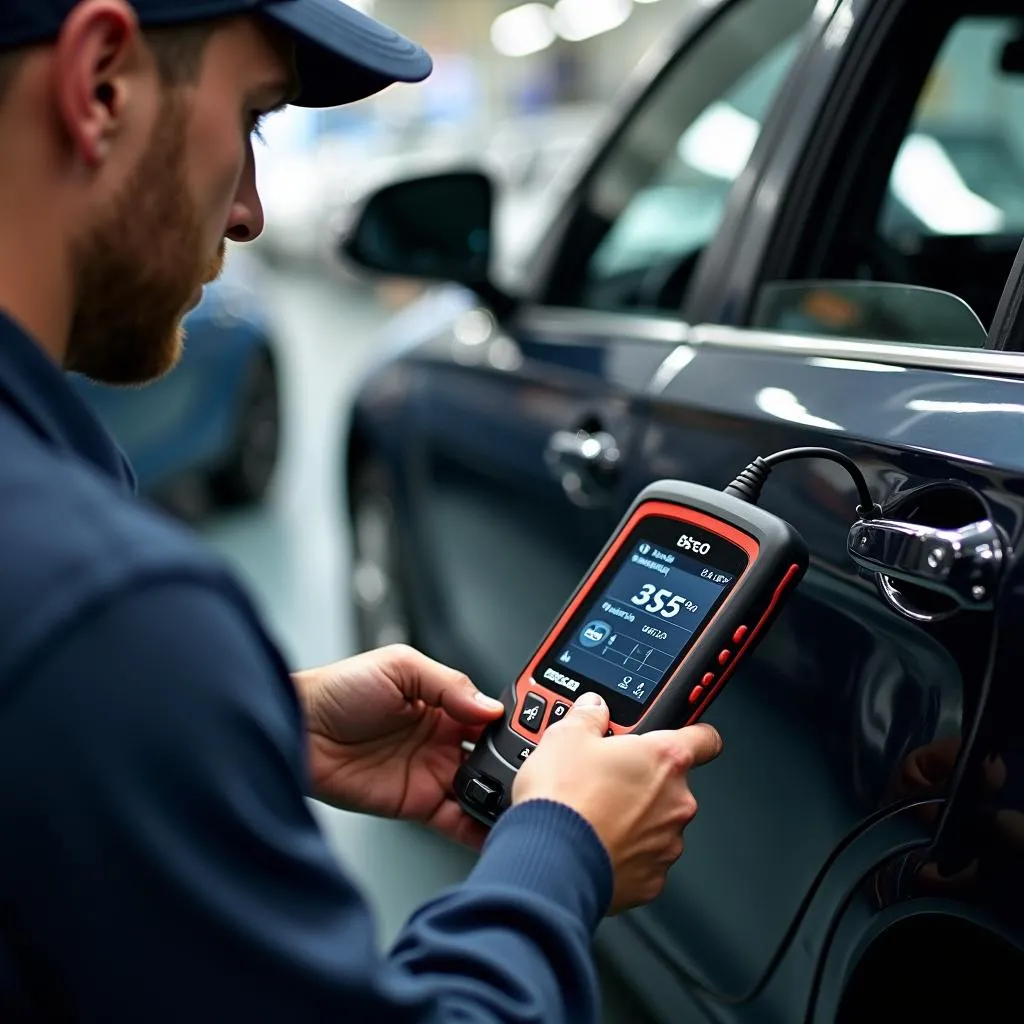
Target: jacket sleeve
160, 860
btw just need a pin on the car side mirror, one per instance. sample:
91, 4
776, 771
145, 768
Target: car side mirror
436, 228
1011, 61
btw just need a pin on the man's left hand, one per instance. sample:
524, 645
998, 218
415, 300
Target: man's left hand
386, 730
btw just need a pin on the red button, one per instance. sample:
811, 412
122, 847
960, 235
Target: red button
709, 678
740, 635
724, 657
695, 694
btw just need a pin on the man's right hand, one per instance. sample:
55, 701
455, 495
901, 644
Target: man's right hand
632, 789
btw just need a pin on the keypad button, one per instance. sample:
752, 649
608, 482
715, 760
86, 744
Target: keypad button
707, 679
696, 693
525, 752
740, 635
610, 732
559, 711
532, 715
723, 658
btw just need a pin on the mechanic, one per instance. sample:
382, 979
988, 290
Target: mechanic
159, 860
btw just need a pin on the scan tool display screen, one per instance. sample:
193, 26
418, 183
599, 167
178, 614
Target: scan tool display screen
630, 634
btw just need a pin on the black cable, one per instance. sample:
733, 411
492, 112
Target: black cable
747, 486
877, 818
907, 846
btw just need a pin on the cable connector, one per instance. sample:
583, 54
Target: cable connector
748, 485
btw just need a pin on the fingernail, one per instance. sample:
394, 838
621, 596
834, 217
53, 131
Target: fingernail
488, 702
589, 700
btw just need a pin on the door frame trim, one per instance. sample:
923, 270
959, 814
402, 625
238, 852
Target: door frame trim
984, 361
569, 325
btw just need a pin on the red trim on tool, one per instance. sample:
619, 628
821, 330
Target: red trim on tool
526, 682
787, 581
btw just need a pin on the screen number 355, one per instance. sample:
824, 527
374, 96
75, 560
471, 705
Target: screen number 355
662, 602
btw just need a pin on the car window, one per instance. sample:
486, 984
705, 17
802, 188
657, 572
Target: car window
658, 196
959, 171
870, 311
951, 213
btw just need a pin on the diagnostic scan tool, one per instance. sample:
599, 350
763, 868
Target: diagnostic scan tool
679, 596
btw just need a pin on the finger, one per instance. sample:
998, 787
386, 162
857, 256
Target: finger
453, 823
935, 762
1011, 825
693, 745
589, 712
422, 678
672, 852
703, 741
994, 773
913, 777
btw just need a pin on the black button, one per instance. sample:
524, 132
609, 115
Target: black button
525, 752
610, 732
479, 793
532, 714
559, 710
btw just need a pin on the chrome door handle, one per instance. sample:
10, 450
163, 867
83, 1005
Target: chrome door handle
585, 464
595, 453
962, 564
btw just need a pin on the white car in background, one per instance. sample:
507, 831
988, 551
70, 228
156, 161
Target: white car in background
311, 183
297, 171
528, 156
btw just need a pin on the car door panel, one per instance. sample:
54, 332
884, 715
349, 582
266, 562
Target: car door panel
508, 543
842, 689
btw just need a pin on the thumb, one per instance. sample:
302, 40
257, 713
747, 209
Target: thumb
466, 704
589, 712
418, 676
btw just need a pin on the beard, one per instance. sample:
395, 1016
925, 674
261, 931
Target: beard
139, 267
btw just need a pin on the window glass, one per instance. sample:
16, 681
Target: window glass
951, 215
960, 170
870, 311
659, 196
678, 211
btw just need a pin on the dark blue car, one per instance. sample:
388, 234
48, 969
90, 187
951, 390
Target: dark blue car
210, 429
803, 226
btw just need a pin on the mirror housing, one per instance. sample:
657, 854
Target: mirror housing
435, 227
1011, 60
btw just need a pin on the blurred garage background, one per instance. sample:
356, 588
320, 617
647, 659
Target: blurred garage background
242, 439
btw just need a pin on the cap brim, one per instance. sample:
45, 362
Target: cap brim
343, 55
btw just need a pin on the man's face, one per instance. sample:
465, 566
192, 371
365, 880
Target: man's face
160, 236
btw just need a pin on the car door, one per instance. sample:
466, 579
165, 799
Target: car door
865, 302
519, 476
528, 422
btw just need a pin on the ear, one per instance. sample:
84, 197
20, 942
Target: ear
99, 46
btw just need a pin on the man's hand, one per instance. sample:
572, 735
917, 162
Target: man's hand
385, 736
633, 790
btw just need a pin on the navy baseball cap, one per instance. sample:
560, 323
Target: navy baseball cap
342, 55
